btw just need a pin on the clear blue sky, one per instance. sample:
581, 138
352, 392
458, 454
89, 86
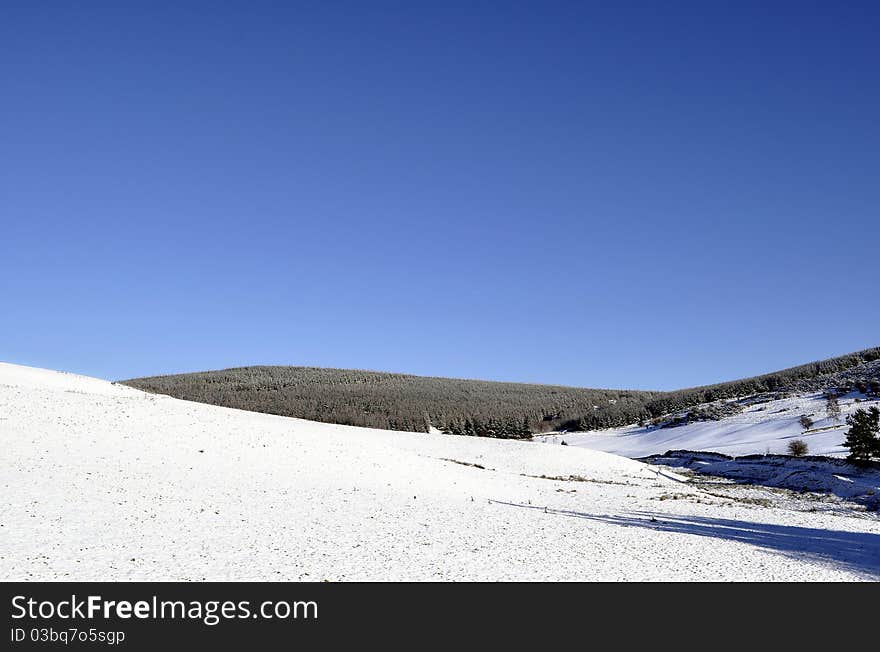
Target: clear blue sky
647, 195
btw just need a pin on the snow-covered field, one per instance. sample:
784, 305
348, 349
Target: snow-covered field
103, 482
759, 429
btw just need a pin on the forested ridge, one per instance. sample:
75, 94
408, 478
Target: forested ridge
821, 374
401, 401
468, 407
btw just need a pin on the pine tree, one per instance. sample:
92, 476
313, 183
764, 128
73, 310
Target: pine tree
863, 436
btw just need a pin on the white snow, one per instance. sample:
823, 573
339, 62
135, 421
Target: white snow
103, 482
817, 475
760, 429
17, 376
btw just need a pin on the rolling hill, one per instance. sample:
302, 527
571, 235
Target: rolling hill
105, 482
474, 407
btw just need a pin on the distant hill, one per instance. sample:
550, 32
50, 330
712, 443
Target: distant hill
474, 407
401, 402
844, 372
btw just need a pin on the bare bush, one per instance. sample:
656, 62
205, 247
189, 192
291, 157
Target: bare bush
798, 448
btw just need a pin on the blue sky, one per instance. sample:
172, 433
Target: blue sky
631, 196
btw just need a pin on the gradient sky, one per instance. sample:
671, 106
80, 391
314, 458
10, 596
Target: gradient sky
649, 195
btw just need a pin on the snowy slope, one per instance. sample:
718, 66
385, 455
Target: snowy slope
760, 429
103, 482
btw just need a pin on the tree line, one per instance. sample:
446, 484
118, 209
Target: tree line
466, 407
787, 379
404, 402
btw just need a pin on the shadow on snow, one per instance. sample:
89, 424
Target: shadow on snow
857, 552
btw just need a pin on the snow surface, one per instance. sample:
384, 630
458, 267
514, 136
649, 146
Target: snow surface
104, 482
759, 429
811, 474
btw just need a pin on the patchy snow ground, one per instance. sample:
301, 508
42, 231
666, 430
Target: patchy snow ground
103, 482
826, 477
759, 429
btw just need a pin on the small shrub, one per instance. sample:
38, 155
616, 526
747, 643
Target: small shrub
798, 448
806, 422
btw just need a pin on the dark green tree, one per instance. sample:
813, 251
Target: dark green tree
863, 436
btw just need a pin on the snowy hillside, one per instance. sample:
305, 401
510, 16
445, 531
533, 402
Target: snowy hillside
759, 429
823, 476
104, 482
